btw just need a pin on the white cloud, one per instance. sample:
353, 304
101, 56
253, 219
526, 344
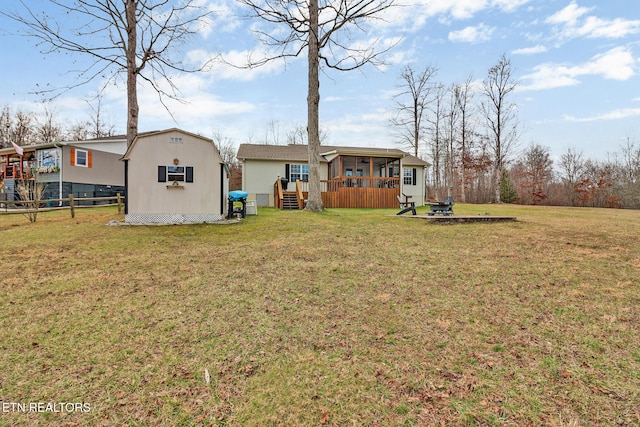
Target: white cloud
573, 22
616, 64
509, 5
477, 34
232, 65
415, 14
530, 50
569, 15
464, 9
623, 113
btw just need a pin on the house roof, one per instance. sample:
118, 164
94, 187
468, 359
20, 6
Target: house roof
292, 152
45, 145
299, 152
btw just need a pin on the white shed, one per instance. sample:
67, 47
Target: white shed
174, 177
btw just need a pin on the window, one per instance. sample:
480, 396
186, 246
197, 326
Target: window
81, 158
409, 176
48, 160
300, 172
175, 173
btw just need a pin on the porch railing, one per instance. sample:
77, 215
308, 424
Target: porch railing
278, 194
337, 183
348, 192
354, 182
299, 194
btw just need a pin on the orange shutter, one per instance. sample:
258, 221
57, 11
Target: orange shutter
88, 159
73, 157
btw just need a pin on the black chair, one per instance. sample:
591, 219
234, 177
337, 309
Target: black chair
406, 206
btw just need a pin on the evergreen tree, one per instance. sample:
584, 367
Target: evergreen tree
508, 193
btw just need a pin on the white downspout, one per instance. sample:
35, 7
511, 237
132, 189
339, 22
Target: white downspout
60, 175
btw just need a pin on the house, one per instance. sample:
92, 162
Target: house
173, 176
351, 177
89, 168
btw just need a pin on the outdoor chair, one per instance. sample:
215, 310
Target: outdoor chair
406, 206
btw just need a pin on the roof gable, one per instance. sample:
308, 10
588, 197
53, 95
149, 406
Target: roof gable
144, 135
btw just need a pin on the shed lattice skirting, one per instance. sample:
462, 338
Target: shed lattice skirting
171, 218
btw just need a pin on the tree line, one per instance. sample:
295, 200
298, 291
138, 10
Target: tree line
469, 132
534, 178
28, 128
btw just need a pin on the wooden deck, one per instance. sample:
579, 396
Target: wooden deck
348, 192
361, 198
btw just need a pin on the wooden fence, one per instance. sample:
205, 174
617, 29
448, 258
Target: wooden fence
74, 202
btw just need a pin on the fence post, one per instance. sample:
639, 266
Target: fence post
73, 211
119, 203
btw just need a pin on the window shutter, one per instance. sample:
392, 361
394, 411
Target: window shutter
189, 174
89, 162
72, 157
286, 171
415, 176
162, 174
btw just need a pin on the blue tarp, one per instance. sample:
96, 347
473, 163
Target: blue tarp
236, 196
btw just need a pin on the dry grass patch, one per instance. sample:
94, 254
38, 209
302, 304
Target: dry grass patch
350, 317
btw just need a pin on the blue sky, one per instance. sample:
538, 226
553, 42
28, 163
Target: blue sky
577, 63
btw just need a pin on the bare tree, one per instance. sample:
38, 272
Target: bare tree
500, 115
464, 97
30, 192
572, 169
100, 127
323, 32
437, 139
78, 131
273, 133
412, 104
298, 135
534, 173
5, 127
21, 131
227, 149
630, 185
137, 37
47, 130
451, 120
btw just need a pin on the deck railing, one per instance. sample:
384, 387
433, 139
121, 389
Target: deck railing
278, 194
361, 192
300, 194
348, 192
337, 183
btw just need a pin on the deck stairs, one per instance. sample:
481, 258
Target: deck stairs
289, 201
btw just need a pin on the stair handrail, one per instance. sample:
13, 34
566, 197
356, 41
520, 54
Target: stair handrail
299, 194
278, 193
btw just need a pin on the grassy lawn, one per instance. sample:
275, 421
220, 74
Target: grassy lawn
346, 318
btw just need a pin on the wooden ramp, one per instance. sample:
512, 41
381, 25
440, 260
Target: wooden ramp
462, 219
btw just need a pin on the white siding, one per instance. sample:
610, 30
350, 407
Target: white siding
259, 176
148, 196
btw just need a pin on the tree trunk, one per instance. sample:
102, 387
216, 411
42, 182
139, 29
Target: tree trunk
132, 73
314, 202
